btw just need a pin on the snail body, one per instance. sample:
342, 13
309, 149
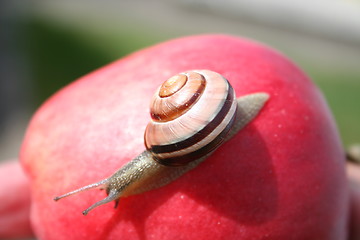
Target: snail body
192, 113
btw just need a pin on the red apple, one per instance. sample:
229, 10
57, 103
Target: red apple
282, 177
14, 202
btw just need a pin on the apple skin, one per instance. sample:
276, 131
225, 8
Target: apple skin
281, 177
15, 202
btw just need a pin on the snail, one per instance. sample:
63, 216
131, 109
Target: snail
192, 114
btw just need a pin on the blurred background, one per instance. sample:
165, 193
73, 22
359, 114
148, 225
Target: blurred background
47, 44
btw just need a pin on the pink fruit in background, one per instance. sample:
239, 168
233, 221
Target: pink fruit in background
14, 202
282, 177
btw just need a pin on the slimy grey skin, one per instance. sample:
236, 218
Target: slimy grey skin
146, 172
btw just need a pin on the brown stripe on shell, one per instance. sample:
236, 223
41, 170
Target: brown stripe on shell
185, 159
170, 105
200, 135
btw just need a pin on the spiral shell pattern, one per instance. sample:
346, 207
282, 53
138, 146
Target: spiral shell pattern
192, 113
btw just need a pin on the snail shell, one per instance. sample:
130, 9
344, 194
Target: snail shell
191, 114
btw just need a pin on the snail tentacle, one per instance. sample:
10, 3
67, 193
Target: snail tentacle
111, 197
100, 184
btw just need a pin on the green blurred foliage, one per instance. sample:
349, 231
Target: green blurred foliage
342, 92
58, 55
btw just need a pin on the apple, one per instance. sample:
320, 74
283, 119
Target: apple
281, 177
